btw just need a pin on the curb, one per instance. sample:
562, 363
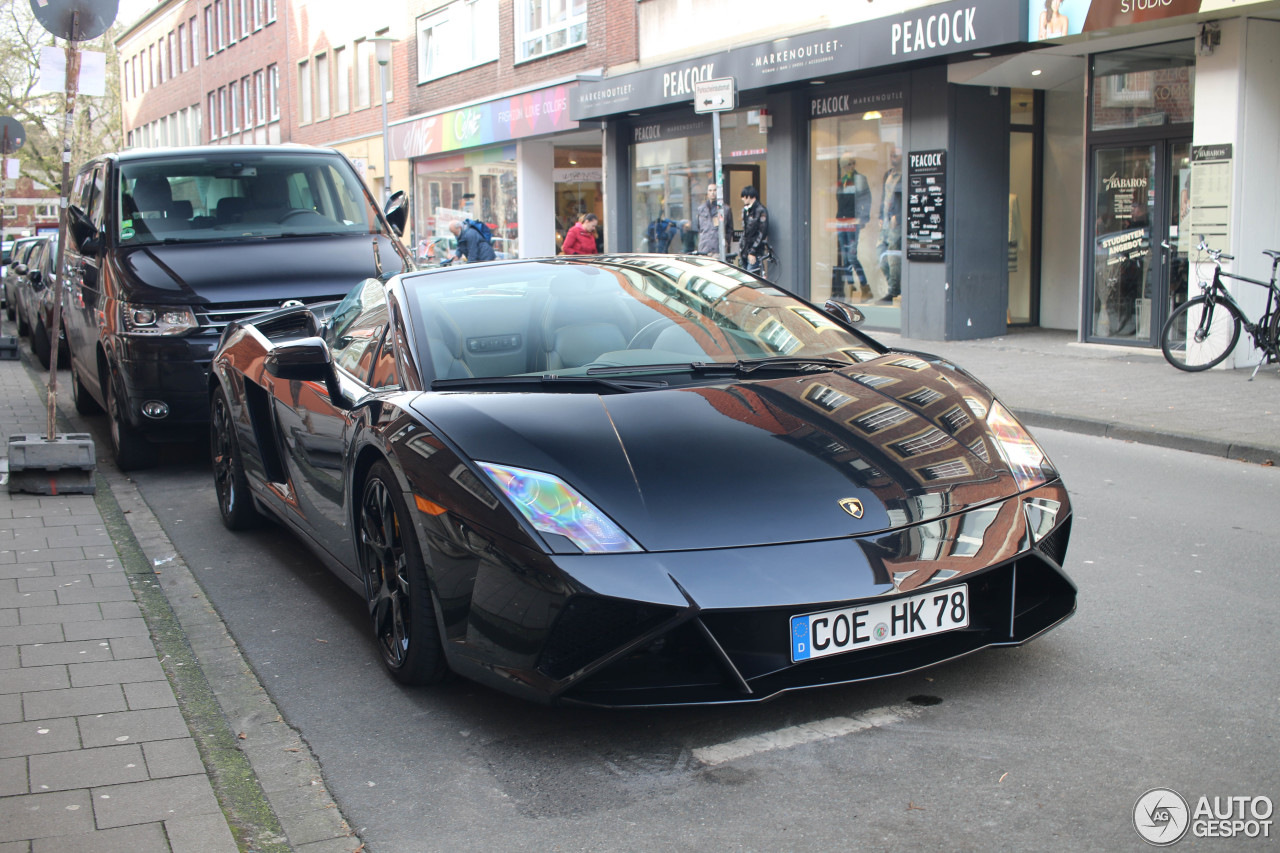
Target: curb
1127, 432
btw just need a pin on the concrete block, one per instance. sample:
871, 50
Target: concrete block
62, 466
8, 347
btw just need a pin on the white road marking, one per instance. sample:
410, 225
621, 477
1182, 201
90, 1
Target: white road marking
832, 727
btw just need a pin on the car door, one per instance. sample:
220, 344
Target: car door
316, 434
82, 293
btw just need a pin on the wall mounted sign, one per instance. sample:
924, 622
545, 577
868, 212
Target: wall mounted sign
926, 205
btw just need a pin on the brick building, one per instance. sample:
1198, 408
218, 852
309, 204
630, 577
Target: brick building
478, 113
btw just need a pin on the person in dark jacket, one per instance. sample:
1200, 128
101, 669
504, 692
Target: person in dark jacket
471, 244
755, 228
711, 213
581, 239
853, 212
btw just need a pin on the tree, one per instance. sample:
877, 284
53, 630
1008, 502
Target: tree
97, 119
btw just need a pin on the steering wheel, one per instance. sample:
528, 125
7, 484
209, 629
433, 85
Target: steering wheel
645, 338
299, 211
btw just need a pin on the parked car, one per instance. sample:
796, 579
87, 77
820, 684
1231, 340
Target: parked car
627, 480
169, 245
37, 303
13, 271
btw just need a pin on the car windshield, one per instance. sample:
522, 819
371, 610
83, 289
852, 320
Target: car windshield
240, 196
618, 316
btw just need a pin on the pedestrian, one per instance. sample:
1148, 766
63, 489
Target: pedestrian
660, 233
853, 212
581, 239
472, 245
713, 214
755, 229
688, 238
890, 244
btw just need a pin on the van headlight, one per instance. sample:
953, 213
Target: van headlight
157, 320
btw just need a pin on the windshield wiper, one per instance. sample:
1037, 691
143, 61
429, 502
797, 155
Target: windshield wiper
742, 366
547, 381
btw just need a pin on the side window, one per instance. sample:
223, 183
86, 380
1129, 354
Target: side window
97, 189
385, 374
357, 328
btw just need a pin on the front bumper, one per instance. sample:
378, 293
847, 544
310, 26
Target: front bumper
174, 371
704, 627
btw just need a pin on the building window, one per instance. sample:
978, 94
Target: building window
259, 97
244, 18
231, 21
342, 85
304, 92
257, 14
364, 59
233, 101
322, 86
273, 91
195, 41
208, 31
455, 38
182, 47
151, 67
160, 75
224, 115
173, 58
195, 121
213, 117
547, 26
246, 93
271, 10
221, 24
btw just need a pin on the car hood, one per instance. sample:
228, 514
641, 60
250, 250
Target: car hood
754, 461
251, 270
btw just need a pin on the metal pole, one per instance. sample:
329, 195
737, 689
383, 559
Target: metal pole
724, 202
4, 175
386, 145
72, 86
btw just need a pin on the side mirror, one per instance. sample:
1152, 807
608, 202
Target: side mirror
397, 211
83, 232
36, 279
307, 360
19, 268
844, 312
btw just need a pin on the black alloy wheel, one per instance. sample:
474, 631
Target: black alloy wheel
235, 504
395, 581
40, 345
80, 396
131, 449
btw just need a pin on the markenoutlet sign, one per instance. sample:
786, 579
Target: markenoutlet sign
931, 31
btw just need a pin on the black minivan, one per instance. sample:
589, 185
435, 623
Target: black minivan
169, 245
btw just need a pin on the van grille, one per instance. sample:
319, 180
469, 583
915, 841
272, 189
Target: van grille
215, 318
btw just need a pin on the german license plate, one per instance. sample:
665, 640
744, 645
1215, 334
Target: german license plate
833, 632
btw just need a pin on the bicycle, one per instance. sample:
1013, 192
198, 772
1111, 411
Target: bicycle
1202, 331
767, 266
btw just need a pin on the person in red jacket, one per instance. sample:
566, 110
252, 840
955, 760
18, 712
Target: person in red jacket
581, 239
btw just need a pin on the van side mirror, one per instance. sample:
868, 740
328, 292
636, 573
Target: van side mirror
83, 232
397, 211
36, 279
307, 360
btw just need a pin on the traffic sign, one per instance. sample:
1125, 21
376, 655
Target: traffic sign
714, 96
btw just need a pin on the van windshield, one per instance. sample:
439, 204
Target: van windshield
241, 196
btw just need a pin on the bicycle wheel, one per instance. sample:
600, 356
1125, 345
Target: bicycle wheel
1200, 334
772, 267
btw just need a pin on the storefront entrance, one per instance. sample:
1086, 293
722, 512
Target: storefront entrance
1139, 171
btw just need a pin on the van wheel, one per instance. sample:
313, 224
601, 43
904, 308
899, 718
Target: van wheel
85, 404
40, 345
23, 328
132, 450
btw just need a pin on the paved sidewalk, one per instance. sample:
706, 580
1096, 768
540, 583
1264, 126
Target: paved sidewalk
94, 752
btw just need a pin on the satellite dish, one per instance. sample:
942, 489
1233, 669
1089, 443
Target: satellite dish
59, 17
12, 134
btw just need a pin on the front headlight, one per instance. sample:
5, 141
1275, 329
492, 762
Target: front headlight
157, 320
553, 506
1019, 450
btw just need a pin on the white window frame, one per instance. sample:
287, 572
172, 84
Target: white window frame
273, 90
260, 92
342, 80
574, 28
304, 92
455, 38
364, 74
322, 86
213, 116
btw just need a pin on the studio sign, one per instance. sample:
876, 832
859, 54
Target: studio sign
934, 31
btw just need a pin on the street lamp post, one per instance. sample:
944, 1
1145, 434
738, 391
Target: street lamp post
382, 46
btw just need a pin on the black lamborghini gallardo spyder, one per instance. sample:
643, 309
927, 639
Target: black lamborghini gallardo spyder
638, 480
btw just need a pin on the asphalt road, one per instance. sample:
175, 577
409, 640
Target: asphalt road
1167, 676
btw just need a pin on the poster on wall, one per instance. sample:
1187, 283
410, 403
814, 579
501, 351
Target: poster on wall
1051, 19
926, 205
1210, 195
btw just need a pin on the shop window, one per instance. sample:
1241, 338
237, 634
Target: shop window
547, 26
483, 186
1144, 87
856, 201
457, 37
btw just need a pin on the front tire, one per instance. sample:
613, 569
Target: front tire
1200, 334
40, 345
401, 608
235, 503
131, 449
84, 402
